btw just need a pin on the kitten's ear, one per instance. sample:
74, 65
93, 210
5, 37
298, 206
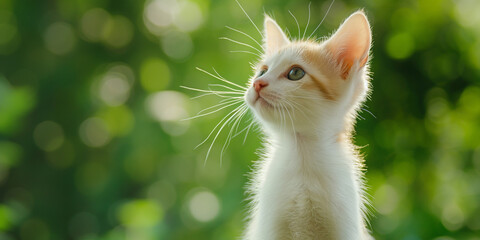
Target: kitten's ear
351, 42
274, 38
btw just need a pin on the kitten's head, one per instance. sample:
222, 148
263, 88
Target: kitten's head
307, 85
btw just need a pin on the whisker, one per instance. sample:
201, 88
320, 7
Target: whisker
248, 130
287, 32
229, 88
211, 91
236, 121
241, 43
308, 21
296, 21
220, 78
235, 112
366, 110
328, 10
246, 14
222, 102
225, 80
236, 30
241, 131
214, 111
256, 54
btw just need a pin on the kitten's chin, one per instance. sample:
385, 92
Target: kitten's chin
259, 103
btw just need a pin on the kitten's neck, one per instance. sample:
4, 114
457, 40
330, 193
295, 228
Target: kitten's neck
327, 135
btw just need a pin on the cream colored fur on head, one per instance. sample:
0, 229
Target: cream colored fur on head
308, 185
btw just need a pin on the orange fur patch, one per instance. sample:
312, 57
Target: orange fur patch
324, 89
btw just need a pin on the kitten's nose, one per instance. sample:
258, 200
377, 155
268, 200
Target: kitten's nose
259, 84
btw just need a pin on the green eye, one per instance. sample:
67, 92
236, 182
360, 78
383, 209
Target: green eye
295, 74
262, 72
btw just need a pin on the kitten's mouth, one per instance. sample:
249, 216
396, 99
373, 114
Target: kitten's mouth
263, 102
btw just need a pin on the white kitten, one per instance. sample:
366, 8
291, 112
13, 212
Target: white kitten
306, 95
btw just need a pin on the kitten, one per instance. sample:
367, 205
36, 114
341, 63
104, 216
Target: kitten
306, 95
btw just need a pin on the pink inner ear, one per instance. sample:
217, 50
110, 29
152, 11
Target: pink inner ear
351, 42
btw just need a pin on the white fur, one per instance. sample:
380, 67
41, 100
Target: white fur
308, 185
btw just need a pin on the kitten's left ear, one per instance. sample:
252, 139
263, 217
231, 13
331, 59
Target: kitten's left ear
274, 38
351, 43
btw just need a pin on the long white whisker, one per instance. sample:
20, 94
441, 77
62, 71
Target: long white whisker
229, 88
236, 30
229, 137
328, 10
214, 111
236, 111
211, 91
366, 110
256, 54
216, 126
225, 80
296, 21
241, 131
222, 102
220, 78
241, 43
294, 105
308, 21
246, 14
248, 130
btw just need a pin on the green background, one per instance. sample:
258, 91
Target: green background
91, 146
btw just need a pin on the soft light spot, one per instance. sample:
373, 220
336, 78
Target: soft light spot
125, 70
119, 120
386, 198
400, 46
167, 106
453, 217
118, 32
114, 89
160, 15
189, 17
437, 109
93, 22
48, 136
154, 75
466, 12
160, 12
177, 45
94, 132
204, 206
140, 214
59, 38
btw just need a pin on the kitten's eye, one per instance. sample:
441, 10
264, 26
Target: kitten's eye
295, 74
262, 72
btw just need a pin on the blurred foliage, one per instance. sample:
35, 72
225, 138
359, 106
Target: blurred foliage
91, 146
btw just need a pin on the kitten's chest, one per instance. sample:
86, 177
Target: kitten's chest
297, 188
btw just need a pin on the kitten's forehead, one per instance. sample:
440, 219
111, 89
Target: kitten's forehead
287, 56
294, 53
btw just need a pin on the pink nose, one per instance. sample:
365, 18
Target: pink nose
259, 84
